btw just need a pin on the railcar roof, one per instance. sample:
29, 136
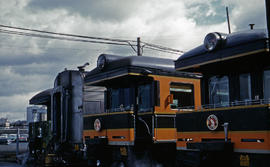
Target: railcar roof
238, 43
135, 64
139, 61
41, 98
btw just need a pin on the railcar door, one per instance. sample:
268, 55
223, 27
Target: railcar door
144, 112
59, 113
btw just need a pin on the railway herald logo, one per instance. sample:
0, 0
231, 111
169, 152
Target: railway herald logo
212, 122
97, 125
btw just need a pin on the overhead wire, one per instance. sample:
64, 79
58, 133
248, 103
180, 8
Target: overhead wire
65, 34
60, 38
162, 47
82, 38
160, 50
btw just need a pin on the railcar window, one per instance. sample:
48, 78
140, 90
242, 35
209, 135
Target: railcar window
266, 84
93, 100
121, 99
128, 98
144, 95
93, 107
115, 100
245, 87
219, 91
183, 95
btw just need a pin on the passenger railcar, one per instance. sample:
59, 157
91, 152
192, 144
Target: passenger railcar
58, 140
208, 108
235, 94
142, 98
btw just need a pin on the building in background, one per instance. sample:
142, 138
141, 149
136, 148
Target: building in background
4, 123
36, 113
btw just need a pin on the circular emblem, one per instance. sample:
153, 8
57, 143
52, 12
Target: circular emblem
212, 122
97, 125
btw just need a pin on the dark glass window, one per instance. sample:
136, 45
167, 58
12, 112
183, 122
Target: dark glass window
93, 107
128, 98
183, 95
121, 99
144, 97
219, 90
115, 100
245, 87
266, 84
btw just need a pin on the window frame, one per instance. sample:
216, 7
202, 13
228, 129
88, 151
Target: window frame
264, 85
249, 87
211, 98
191, 96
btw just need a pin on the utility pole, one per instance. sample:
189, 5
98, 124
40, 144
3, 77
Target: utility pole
17, 142
139, 46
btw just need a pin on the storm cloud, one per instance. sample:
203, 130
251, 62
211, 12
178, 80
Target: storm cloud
29, 65
98, 10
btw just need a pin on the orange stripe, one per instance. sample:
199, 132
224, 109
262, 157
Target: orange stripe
112, 134
165, 134
92, 133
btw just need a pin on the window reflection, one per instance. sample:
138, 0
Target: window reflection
245, 87
266, 84
183, 95
121, 99
115, 100
144, 95
128, 98
219, 90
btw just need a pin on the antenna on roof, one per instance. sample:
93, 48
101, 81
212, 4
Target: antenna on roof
228, 19
267, 7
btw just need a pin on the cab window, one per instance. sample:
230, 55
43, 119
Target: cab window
115, 100
144, 97
219, 91
266, 84
128, 98
245, 87
120, 99
183, 95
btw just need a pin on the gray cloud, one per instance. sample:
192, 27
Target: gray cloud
13, 83
113, 10
247, 12
29, 65
205, 13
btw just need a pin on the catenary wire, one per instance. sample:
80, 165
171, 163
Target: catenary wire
75, 38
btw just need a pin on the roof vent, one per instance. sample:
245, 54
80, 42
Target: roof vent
251, 26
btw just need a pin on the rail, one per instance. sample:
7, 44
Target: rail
226, 104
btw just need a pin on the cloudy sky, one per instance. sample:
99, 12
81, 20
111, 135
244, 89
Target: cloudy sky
29, 65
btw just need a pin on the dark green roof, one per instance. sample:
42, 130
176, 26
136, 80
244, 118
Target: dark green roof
238, 43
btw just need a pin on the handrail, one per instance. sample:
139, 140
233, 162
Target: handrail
227, 104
